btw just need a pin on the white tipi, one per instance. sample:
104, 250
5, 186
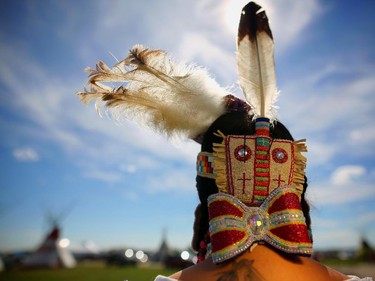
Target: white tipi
51, 254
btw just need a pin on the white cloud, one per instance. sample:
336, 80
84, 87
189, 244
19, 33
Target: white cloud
209, 54
130, 168
348, 184
365, 136
51, 104
288, 18
319, 152
40, 96
175, 181
335, 195
343, 231
334, 112
356, 220
26, 154
108, 177
346, 175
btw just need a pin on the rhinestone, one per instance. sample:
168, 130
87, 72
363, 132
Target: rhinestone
280, 155
242, 152
256, 224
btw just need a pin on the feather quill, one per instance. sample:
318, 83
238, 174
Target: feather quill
255, 61
172, 98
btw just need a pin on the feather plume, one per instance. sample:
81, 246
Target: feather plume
173, 99
255, 61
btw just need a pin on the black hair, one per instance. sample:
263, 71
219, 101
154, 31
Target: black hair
232, 123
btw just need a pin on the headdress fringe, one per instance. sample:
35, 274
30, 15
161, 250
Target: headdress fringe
219, 152
298, 178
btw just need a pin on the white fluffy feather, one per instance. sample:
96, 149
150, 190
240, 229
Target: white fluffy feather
171, 98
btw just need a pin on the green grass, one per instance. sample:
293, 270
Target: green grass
86, 272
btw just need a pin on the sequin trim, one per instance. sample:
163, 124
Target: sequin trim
279, 221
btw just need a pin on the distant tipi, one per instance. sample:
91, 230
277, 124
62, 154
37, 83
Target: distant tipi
51, 254
163, 253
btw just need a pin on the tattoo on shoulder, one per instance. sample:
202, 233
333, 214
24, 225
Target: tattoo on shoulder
241, 271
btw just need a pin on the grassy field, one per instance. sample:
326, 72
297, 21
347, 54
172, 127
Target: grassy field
100, 272
86, 272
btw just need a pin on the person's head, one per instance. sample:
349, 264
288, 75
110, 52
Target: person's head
232, 123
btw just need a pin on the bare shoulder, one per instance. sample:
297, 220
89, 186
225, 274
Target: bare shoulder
321, 272
274, 265
205, 270
262, 264
208, 271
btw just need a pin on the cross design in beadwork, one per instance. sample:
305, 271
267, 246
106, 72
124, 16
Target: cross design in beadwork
279, 180
243, 179
263, 141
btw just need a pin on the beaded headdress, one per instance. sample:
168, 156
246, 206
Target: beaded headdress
260, 179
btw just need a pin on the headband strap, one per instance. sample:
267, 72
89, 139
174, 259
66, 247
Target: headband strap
205, 167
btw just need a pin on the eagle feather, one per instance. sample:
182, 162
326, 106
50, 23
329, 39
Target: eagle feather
255, 61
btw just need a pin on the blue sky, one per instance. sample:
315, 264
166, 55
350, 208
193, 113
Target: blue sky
121, 185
